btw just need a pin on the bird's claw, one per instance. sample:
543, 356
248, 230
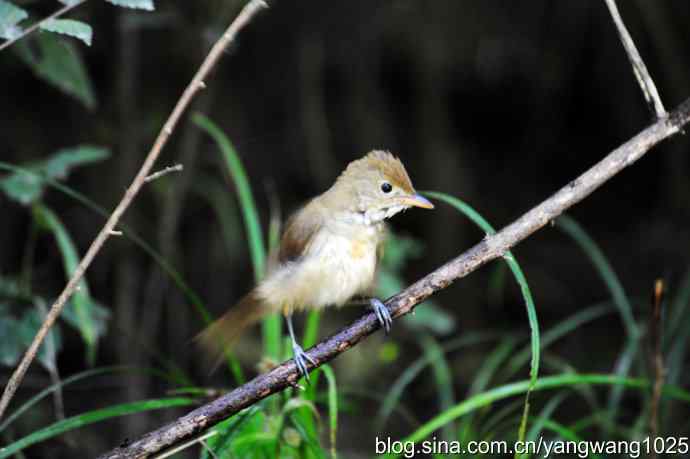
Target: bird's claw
382, 314
301, 359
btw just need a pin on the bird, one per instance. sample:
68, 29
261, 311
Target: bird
329, 253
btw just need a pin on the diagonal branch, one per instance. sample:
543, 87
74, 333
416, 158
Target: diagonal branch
647, 85
194, 86
490, 248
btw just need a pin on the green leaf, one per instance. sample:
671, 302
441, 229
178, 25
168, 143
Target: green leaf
64, 160
98, 315
23, 187
10, 343
91, 417
136, 4
399, 249
27, 328
59, 63
221, 443
10, 16
77, 29
26, 186
83, 304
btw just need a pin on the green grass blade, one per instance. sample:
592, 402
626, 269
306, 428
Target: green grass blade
217, 197
558, 331
272, 325
91, 417
52, 388
524, 288
332, 408
81, 298
678, 307
213, 191
442, 378
573, 229
244, 193
490, 424
395, 391
221, 443
481, 381
545, 415
566, 434
679, 333
311, 335
545, 383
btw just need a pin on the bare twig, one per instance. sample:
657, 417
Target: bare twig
202, 440
490, 248
216, 52
166, 171
657, 358
647, 85
36, 26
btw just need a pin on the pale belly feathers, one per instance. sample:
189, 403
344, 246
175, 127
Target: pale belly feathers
338, 264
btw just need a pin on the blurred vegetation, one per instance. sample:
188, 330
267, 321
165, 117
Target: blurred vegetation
494, 102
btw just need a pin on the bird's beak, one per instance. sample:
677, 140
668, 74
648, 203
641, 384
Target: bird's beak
417, 200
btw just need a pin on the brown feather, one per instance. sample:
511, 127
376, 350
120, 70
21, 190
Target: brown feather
386, 164
222, 334
298, 232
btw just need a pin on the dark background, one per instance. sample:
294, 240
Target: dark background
500, 103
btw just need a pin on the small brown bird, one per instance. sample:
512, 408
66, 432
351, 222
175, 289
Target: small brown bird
329, 251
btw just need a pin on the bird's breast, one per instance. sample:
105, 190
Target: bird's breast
336, 267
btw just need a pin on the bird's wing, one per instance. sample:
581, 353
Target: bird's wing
299, 232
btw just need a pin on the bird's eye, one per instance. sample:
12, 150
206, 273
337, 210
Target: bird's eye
386, 187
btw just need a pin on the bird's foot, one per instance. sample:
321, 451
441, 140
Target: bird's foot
382, 314
301, 359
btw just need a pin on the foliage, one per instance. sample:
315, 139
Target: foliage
481, 403
53, 59
27, 186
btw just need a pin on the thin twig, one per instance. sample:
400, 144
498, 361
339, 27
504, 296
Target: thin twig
208, 449
657, 358
37, 25
166, 171
202, 439
216, 52
490, 248
647, 85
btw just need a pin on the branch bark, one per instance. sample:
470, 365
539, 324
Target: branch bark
194, 86
490, 248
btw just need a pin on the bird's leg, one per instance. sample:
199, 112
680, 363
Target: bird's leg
300, 356
382, 313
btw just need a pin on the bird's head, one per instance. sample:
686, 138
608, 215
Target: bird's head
378, 187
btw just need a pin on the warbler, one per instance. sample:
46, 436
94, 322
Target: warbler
329, 252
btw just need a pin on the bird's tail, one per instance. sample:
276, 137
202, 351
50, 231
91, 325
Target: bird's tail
222, 334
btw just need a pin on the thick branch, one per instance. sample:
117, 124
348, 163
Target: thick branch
194, 86
490, 248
